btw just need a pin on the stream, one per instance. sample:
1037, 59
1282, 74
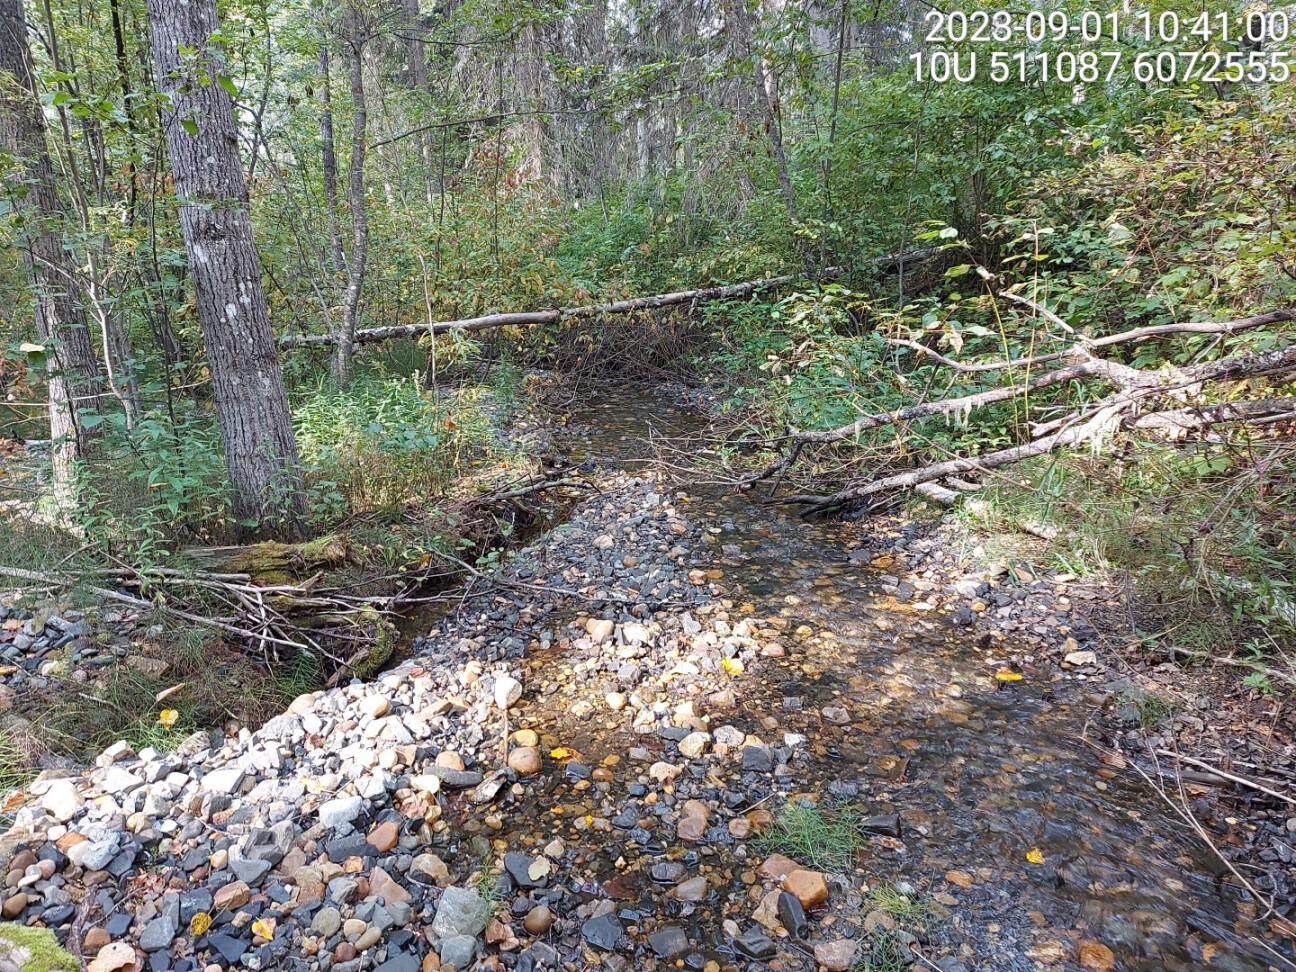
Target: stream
982, 771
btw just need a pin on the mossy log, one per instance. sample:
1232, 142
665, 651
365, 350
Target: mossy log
271, 561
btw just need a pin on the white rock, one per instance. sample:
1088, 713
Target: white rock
375, 706
694, 744
507, 691
63, 800
340, 811
226, 780
1078, 659
635, 634
117, 780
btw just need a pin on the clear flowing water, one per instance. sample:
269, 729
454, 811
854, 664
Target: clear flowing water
981, 771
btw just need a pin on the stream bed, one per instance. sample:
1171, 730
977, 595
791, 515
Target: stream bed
1028, 849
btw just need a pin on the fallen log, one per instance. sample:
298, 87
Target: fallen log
371, 335
1203, 416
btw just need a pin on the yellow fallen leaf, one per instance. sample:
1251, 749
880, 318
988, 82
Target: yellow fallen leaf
562, 752
168, 718
265, 927
733, 666
1007, 675
199, 923
1035, 855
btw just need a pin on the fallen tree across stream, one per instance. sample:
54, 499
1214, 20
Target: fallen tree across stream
747, 288
1126, 407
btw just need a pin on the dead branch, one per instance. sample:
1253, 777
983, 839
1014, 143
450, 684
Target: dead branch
1133, 386
1239, 780
1203, 416
954, 467
1091, 344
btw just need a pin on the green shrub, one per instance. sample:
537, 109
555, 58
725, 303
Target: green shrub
385, 443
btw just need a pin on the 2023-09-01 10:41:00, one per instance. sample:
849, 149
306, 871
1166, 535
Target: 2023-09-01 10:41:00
1252, 27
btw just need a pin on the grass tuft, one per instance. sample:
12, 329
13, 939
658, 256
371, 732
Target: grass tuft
825, 839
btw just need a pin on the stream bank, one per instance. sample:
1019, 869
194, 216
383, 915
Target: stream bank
676, 669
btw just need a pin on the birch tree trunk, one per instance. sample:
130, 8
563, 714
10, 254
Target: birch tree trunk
344, 353
328, 151
738, 24
247, 384
60, 319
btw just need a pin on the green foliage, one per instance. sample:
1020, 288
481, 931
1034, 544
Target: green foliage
44, 954
297, 675
15, 760
161, 482
385, 443
220, 683
1200, 221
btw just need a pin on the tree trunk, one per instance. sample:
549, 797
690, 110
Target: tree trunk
344, 353
247, 384
60, 319
329, 153
738, 24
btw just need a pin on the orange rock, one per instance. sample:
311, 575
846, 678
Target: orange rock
384, 836
809, 887
95, 939
960, 879
525, 761
231, 896
23, 860
760, 820
777, 867
449, 759
384, 885
432, 962
70, 839
739, 827
1097, 957
695, 808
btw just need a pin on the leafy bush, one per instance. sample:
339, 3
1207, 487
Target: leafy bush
160, 482
385, 443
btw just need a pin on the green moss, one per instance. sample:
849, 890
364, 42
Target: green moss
379, 652
43, 951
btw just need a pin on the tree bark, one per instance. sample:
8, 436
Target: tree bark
328, 151
738, 23
247, 384
74, 382
344, 352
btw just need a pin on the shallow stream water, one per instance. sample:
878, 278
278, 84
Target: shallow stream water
983, 772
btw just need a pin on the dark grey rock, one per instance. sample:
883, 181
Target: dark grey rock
755, 944
603, 932
230, 948
792, 915
668, 942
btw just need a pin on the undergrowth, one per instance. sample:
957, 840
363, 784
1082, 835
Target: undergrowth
1206, 533
219, 684
386, 443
